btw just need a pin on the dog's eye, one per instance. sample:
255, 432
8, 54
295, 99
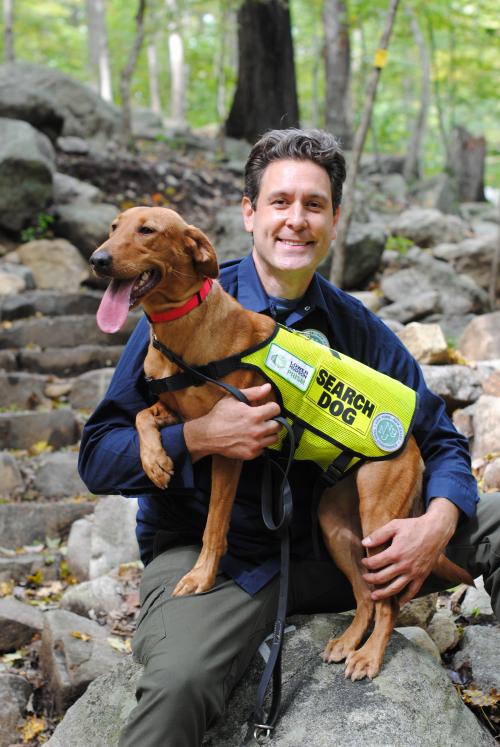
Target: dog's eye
145, 229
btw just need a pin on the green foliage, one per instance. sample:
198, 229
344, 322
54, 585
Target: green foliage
40, 230
399, 244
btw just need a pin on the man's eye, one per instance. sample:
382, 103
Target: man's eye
314, 205
145, 229
279, 202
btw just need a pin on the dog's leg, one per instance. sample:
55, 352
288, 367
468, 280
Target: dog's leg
225, 476
155, 461
387, 490
341, 528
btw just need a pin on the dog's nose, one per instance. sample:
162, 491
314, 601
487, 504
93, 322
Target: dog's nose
101, 261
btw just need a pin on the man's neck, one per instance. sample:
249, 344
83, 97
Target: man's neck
286, 284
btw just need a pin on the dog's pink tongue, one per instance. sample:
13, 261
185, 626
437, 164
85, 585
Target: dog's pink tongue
114, 306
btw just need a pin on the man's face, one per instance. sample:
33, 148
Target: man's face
293, 222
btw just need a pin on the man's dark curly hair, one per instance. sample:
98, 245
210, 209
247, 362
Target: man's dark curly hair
312, 145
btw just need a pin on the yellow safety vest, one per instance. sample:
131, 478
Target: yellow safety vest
341, 403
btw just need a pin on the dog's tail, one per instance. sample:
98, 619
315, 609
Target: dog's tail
445, 568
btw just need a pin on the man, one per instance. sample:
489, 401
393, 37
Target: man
196, 648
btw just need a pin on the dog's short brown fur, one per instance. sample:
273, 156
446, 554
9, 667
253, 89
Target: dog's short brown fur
144, 239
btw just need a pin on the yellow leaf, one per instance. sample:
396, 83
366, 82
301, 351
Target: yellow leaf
32, 728
36, 578
6, 588
81, 636
39, 448
119, 644
380, 58
477, 697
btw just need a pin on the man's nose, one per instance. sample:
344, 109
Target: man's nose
296, 216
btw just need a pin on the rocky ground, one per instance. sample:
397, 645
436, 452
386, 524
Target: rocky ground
69, 569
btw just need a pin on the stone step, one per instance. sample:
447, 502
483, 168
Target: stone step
48, 303
24, 524
30, 391
21, 430
61, 361
63, 331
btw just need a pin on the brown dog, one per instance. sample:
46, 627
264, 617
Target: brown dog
155, 259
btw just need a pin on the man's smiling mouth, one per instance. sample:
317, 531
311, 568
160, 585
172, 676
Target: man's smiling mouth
291, 242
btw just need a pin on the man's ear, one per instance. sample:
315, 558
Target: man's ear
202, 252
248, 211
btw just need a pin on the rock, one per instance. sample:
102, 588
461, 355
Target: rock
26, 168
457, 385
49, 303
100, 595
56, 475
439, 192
370, 299
70, 663
421, 640
385, 163
23, 390
78, 551
410, 703
27, 523
11, 481
73, 145
113, 539
68, 189
55, 264
481, 338
425, 342
492, 384
55, 103
17, 566
477, 602
486, 423
65, 361
14, 267
463, 420
67, 331
418, 612
443, 631
365, 245
18, 623
472, 257
146, 124
415, 307
480, 646
89, 388
491, 476
229, 235
15, 692
421, 273
84, 224
10, 284
21, 430
428, 227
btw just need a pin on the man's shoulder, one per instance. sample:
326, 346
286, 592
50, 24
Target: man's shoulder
228, 276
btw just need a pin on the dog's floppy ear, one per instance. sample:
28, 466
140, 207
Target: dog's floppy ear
202, 251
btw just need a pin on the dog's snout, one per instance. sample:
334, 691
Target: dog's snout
101, 262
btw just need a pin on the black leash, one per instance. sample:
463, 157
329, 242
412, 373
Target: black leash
277, 516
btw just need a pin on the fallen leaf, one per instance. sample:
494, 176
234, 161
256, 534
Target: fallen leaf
32, 728
36, 578
6, 588
81, 636
477, 697
39, 448
120, 644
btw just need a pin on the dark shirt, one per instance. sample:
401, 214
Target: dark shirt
109, 459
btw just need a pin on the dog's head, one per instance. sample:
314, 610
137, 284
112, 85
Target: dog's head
149, 250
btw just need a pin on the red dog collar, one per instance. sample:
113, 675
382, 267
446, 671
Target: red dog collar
192, 303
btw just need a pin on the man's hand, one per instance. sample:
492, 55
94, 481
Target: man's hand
415, 545
234, 429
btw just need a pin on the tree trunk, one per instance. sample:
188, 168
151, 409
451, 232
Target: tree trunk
126, 76
220, 61
177, 65
338, 263
8, 21
466, 155
338, 117
437, 90
98, 48
266, 95
154, 86
412, 165
494, 273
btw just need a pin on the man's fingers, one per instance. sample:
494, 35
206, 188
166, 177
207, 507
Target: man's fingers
254, 393
391, 589
379, 536
378, 561
382, 577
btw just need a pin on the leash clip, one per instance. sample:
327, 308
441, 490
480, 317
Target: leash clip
262, 731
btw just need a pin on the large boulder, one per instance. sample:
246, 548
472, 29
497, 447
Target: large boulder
472, 257
26, 172
486, 421
85, 224
113, 539
55, 103
480, 646
481, 338
14, 695
365, 245
428, 227
55, 264
411, 702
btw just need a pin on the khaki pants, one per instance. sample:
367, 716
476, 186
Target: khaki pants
196, 648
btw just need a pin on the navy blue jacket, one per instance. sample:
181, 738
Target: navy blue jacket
109, 456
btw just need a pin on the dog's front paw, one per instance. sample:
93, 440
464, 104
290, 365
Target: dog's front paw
159, 468
337, 649
362, 663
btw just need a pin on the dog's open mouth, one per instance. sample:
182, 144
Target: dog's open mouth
120, 296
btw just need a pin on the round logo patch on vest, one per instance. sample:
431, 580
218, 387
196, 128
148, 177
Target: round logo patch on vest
316, 336
388, 432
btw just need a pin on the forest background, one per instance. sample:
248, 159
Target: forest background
443, 59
